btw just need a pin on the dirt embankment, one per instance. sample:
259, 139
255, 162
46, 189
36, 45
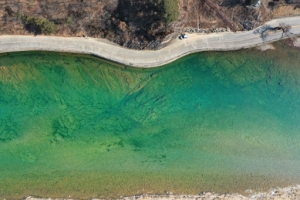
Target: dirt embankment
138, 24
130, 23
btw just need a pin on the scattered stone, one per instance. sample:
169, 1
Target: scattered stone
212, 30
273, 194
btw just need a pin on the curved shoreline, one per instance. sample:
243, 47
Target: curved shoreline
148, 58
291, 192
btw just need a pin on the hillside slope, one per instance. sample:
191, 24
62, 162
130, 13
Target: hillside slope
138, 24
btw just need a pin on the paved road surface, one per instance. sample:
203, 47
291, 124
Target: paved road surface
147, 58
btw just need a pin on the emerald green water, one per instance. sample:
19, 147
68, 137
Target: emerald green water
76, 125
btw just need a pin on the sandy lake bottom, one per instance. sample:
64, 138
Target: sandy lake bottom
216, 121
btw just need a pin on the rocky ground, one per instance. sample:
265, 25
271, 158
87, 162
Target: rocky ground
137, 24
134, 24
273, 194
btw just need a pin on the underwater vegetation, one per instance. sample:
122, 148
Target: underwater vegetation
216, 121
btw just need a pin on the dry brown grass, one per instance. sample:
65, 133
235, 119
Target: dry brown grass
285, 11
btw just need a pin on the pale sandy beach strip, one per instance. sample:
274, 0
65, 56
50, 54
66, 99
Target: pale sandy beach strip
147, 58
292, 192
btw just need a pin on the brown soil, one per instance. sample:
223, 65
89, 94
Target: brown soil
131, 23
135, 24
285, 11
199, 14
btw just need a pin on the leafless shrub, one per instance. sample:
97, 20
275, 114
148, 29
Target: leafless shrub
286, 29
264, 31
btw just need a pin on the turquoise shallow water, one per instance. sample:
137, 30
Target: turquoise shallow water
76, 125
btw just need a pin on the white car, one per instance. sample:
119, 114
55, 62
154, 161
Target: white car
183, 36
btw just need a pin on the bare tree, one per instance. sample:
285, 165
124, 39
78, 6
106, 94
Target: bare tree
286, 29
221, 14
264, 31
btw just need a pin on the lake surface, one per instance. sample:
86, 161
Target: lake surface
74, 125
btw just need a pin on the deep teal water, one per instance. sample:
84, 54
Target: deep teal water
76, 125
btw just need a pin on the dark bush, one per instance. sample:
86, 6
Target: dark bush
251, 2
271, 4
39, 25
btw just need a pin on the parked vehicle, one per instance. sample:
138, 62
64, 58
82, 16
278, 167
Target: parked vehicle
183, 36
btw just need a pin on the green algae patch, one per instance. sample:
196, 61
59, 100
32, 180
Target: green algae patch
73, 125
